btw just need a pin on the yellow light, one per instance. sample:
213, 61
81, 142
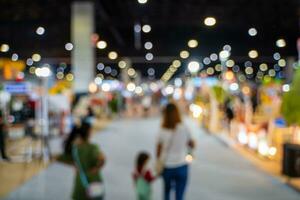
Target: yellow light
131, 87
131, 72
272, 151
122, 64
263, 67
230, 63
253, 54
176, 63
246, 90
101, 45
210, 71
263, 148
32, 70
113, 55
184, 54
218, 67
36, 57
229, 75
4, 48
70, 77
280, 43
93, 87
249, 70
192, 43
105, 87
189, 158
282, 63
210, 21
60, 75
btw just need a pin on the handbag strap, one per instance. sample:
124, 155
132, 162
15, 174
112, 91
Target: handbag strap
78, 164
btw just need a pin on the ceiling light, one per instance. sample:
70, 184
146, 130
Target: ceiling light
193, 66
192, 43
210, 21
253, 54
40, 30
4, 48
146, 28
113, 55
280, 43
184, 54
142, 1
36, 57
14, 57
224, 55
148, 45
101, 44
252, 32
69, 46
149, 56
122, 64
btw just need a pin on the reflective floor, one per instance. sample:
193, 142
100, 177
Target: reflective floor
217, 173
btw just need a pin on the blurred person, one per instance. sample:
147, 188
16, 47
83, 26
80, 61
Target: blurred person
2, 138
174, 143
143, 177
88, 160
146, 103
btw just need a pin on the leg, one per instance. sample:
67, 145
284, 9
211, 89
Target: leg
167, 177
181, 181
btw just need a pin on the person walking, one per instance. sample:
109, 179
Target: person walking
173, 145
88, 160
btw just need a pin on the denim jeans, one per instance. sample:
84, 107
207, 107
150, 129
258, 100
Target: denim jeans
175, 178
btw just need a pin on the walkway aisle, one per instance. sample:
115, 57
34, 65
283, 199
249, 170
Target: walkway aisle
218, 173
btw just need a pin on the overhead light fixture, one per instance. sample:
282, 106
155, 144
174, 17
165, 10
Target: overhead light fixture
4, 48
14, 57
253, 54
148, 45
112, 55
69, 46
149, 56
36, 57
280, 43
210, 21
252, 32
193, 67
184, 54
40, 30
224, 55
146, 28
122, 64
142, 1
192, 43
101, 44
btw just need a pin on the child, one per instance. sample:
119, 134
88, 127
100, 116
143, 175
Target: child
143, 177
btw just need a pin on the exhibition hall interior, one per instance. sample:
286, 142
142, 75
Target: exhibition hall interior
150, 99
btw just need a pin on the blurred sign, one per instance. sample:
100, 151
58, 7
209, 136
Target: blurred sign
17, 88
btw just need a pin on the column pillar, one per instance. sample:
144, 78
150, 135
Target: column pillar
83, 54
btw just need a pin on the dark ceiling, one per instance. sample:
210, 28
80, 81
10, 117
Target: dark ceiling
173, 23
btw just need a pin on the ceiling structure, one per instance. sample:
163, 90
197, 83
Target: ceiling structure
173, 23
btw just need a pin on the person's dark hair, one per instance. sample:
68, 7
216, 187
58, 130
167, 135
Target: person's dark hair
171, 116
84, 130
141, 160
70, 139
81, 131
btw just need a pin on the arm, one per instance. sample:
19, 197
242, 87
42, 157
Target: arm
100, 163
158, 150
